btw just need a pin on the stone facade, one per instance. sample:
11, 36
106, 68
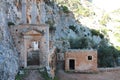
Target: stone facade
32, 43
81, 60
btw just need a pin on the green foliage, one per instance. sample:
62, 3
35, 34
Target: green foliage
65, 9
76, 7
117, 11
84, 11
21, 76
72, 27
45, 75
107, 56
105, 18
104, 31
118, 48
79, 43
50, 3
97, 33
55, 78
10, 23
51, 23
117, 36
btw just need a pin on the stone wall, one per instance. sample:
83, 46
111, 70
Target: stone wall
85, 60
109, 69
52, 62
60, 57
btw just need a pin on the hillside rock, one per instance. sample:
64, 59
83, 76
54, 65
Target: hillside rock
8, 54
8, 64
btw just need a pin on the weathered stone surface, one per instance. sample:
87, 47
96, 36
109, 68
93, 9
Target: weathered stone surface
1, 35
8, 64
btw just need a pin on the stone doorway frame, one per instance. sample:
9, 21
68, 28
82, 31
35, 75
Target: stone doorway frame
72, 64
28, 39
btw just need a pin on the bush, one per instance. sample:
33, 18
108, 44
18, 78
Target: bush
104, 31
21, 76
105, 19
84, 11
72, 27
45, 75
65, 9
79, 43
51, 23
10, 23
97, 33
107, 56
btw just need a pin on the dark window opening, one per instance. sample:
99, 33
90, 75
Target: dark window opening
89, 57
71, 64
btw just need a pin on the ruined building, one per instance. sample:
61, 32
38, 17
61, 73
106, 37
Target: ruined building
32, 42
31, 38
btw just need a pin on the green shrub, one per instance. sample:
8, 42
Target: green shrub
104, 31
65, 9
72, 27
118, 48
56, 78
45, 75
21, 76
79, 43
51, 24
97, 33
10, 23
84, 11
105, 19
107, 56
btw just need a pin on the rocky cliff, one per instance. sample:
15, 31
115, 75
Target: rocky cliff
68, 26
8, 53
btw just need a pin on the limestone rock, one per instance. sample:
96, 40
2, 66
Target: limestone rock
8, 64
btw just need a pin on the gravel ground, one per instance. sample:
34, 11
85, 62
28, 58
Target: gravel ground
115, 75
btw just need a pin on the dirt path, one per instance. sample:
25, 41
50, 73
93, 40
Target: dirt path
33, 75
98, 76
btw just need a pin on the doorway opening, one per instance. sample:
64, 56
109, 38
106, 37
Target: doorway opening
33, 58
71, 64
